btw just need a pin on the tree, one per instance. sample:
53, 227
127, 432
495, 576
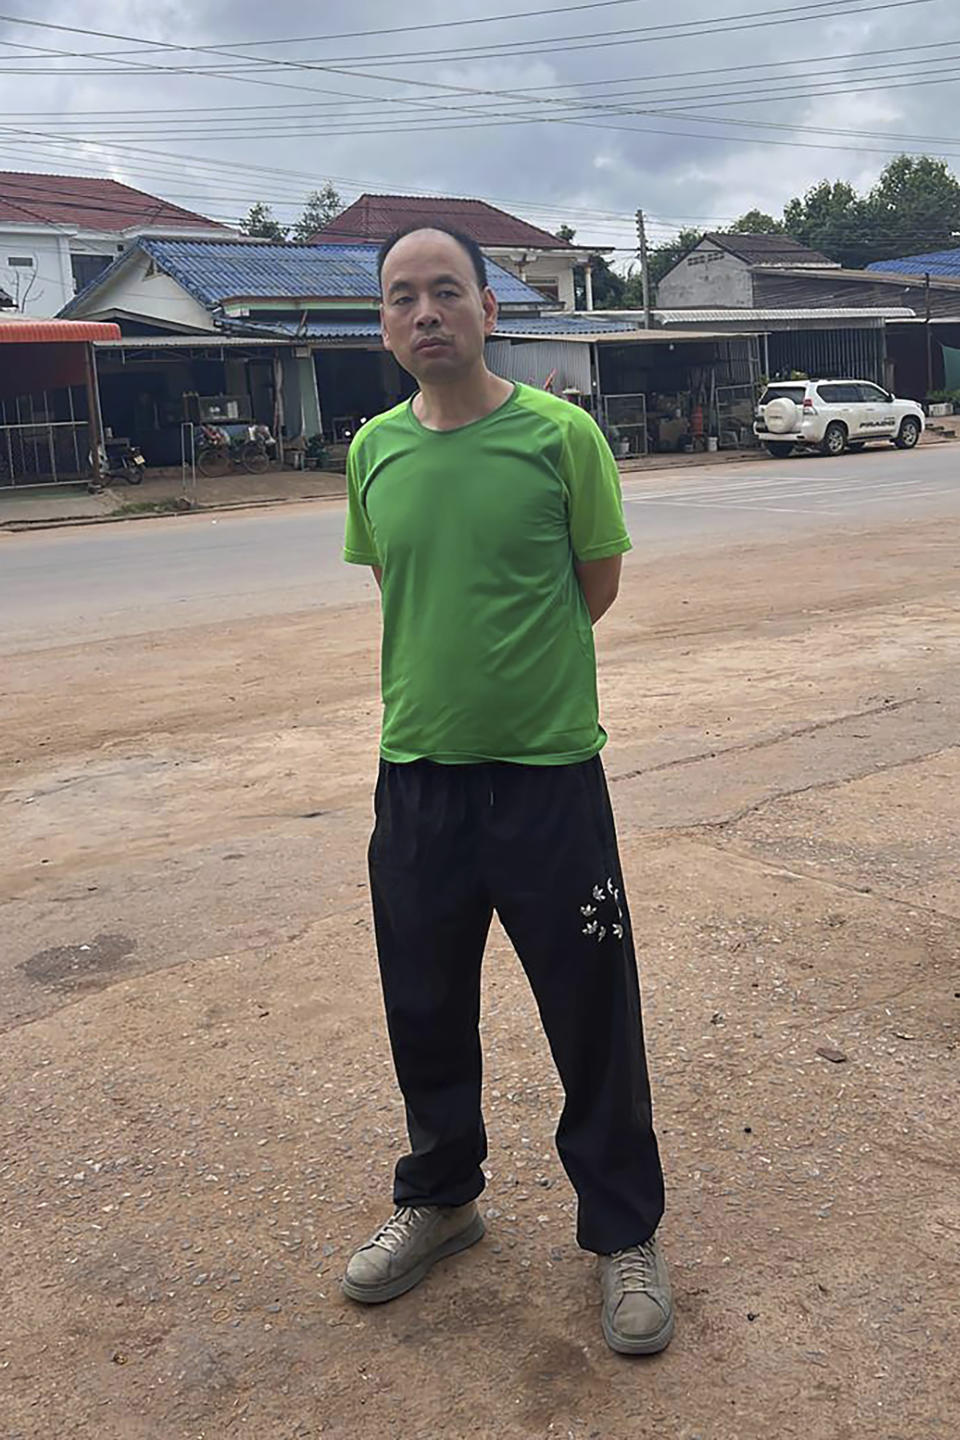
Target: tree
565, 233
320, 208
261, 224
756, 222
608, 286
914, 207
832, 218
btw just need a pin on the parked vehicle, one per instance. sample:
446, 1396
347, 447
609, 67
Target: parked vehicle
833, 416
124, 461
221, 447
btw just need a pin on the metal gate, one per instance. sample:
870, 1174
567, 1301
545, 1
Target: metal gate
736, 406
52, 452
625, 422
38, 449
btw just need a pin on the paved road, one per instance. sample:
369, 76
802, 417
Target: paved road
127, 579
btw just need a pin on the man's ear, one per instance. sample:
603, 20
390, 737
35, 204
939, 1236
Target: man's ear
490, 311
383, 330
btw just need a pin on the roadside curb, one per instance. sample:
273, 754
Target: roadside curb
13, 527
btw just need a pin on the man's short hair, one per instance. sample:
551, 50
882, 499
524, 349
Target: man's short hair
466, 241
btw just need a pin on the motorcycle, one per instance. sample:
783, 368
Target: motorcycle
124, 461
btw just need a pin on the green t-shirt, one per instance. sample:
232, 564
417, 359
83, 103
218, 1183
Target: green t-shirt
487, 643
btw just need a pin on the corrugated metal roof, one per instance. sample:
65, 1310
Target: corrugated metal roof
215, 271
656, 336
839, 312
18, 330
572, 323
939, 262
313, 330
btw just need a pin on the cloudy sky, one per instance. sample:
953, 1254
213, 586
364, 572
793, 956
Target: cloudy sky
577, 112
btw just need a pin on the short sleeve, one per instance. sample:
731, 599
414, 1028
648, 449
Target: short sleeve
597, 526
359, 546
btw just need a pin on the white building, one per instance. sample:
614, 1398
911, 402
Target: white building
58, 232
555, 267
727, 271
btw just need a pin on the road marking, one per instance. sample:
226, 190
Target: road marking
898, 483
817, 490
909, 494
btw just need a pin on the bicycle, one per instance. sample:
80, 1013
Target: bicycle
218, 452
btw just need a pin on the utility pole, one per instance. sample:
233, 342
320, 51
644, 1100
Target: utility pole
929, 333
644, 268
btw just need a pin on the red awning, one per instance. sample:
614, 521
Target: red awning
30, 332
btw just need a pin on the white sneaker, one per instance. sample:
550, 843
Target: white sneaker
402, 1251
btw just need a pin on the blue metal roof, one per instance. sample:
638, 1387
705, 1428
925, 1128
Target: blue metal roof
554, 327
565, 324
940, 262
225, 270
313, 330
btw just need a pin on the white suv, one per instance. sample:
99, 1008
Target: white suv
834, 416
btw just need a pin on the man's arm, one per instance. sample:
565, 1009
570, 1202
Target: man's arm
600, 582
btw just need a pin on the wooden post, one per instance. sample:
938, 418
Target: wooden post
94, 422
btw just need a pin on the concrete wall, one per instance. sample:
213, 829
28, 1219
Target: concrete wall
43, 287
706, 279
549, 267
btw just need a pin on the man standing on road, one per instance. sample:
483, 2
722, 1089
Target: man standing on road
491, 515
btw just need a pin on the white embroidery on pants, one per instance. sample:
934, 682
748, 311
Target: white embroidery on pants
606, 895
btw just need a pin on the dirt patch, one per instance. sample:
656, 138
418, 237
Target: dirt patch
200, 1118
87, 966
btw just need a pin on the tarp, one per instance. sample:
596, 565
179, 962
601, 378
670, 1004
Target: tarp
951, 368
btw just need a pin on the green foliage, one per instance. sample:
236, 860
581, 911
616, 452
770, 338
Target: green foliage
756, 222
260, 224
915, 206
608, 286
320, 208
565, 233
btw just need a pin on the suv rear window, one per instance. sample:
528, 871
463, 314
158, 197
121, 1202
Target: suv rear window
783, 392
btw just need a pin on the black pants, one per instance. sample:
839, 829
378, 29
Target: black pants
453, 843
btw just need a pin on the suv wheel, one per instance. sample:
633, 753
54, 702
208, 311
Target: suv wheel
908, 434
834, 440
780, 449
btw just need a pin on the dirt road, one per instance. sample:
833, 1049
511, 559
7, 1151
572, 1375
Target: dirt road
200, 1117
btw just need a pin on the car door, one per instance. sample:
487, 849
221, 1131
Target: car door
879, 415
834, 403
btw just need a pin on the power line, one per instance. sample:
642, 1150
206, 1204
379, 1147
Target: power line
766, 66
755, 19
615, 102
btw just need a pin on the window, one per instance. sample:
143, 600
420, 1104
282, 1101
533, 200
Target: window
21, 262
872, 394
87, 267
839, 394
783, 392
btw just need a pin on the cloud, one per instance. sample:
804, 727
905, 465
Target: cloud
196, 139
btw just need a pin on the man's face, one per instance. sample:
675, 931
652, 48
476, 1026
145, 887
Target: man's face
434, 316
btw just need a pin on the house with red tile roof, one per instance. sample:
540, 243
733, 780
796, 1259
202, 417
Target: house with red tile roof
555, 267
58, 232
